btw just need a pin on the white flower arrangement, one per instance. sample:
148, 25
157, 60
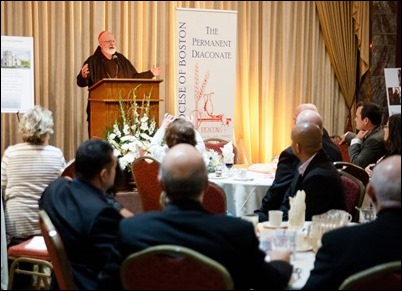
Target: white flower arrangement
215, 159
131, 137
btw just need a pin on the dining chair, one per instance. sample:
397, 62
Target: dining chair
354, 192
354, 170
145, 172
69, 169
61, 265
217, 143
214, 199
343, 148
385, 276
32, 254
171, 267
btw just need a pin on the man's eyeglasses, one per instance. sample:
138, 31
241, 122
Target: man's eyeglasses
109, 41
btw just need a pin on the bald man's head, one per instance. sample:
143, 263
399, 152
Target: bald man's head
386, 182
183, 174
302, 107
309, 115
306, 140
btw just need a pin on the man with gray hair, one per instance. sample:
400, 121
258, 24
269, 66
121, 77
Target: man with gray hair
230, 241
348, 250
288, 162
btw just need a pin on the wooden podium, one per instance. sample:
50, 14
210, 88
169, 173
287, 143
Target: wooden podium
104, 109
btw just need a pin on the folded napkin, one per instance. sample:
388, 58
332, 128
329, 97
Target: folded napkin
227, 153
297, 211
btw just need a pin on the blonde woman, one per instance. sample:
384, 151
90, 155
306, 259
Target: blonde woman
26, 170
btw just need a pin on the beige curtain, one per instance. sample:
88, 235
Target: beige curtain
281, 61
343, 23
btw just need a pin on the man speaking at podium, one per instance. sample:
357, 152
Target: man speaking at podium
106, 62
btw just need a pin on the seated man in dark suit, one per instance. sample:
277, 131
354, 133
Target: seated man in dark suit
348, 250
316, 174
82, 212
288, 162
229, 240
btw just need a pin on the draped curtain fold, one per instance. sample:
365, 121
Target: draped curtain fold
361, 16
282, 60
339, 20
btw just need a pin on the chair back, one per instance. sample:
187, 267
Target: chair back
217, 143
354, 191
343, 148
61, 265
69, 170
170, 267
214, 199
145, 172
385, 276
354, 170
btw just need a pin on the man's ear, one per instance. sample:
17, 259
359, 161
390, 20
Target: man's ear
297, 148
103, 174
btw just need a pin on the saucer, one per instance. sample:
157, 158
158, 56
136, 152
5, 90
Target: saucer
304, 249
213, 176
267, 224
243, 179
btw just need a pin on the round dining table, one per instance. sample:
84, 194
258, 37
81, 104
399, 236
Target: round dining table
244, 191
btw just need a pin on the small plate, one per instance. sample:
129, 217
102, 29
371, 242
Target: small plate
213, 176
267, 224
304, 249
243, 179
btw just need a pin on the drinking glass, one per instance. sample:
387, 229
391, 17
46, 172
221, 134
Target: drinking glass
367, 214
229, 161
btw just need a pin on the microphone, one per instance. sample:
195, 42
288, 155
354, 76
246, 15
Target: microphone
115, 59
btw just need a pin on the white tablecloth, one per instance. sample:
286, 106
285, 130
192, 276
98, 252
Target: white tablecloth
244, 196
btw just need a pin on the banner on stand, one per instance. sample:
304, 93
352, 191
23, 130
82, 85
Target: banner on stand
206, 69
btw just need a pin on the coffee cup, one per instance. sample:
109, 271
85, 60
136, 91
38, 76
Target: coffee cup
275, 217
242, 173
253, 218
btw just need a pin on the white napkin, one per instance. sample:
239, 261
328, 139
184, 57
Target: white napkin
227, 153
297, 211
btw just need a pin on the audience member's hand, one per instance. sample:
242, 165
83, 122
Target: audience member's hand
362, 134
369, 169
343, 138
126, 213
167, 119
280, 255
85, 71
156, 71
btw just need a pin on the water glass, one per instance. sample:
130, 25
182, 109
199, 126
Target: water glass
366, 214
284, 240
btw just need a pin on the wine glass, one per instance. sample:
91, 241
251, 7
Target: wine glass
229, 161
